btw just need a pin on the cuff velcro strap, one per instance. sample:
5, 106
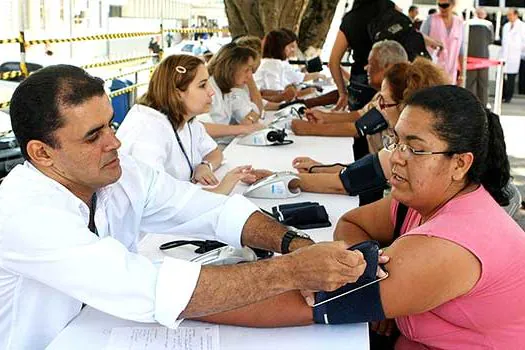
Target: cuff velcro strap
371, 122
363, 305
363, 175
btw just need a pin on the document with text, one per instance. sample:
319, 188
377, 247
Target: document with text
161, 338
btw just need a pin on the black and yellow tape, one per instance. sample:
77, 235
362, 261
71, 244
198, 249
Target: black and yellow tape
150, 68
126, 90
198, 30
114, 62
91, 37
10, 41
10, 75
5, 104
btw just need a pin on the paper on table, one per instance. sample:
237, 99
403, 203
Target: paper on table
152, 338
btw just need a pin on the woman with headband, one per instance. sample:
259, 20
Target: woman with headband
161, 131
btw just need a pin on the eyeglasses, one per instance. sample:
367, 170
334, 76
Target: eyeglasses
391, 143
383, 105
444, 5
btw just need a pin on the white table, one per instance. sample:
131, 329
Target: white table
91, 329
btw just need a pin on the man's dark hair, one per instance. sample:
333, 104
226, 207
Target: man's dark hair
412, 8
38, 101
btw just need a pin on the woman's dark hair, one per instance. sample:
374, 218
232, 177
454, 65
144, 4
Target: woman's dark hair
290, 33
463, 123
274, 43
38, 102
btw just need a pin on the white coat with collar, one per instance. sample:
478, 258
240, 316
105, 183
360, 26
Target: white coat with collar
513, 43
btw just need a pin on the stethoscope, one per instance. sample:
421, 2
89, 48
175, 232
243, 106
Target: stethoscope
190, 162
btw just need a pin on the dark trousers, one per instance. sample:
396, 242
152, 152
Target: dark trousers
478, 82
521, 78
508, 86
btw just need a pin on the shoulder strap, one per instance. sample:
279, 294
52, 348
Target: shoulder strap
401, 214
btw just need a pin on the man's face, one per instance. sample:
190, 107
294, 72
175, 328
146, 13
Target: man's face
413, 14
511, 16
86, 158
375, 72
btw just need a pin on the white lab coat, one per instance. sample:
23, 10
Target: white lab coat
513, 43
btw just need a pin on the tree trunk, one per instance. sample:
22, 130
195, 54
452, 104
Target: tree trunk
310, 18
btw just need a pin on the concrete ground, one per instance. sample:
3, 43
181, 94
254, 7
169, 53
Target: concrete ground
513, 122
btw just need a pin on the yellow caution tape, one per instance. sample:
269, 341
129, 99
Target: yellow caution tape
9, 41
5, 104
113, 62
198, 30
91, 37
125, 90
132, 72
10, 75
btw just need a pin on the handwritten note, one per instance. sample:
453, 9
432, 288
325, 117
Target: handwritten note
161, 338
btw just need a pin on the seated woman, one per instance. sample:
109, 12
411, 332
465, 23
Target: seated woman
400, 81
456, 273
161, 130
231, 68
275, 73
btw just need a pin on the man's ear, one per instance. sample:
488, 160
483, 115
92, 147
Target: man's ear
40, 153
463, 162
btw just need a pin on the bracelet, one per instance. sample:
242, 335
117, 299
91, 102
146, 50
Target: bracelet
205, 162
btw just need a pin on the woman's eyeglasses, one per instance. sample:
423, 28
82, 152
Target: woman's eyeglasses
445, 5
383, 105
391, 143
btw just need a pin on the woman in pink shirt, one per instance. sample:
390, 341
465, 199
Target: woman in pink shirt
457, 272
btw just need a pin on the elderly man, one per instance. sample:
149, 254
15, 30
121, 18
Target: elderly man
481, 35
72, 213
383, 55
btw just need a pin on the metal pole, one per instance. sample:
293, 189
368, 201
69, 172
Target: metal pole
22, 14
71, 28
498, 95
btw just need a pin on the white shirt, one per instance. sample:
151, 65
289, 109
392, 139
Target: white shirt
148, 136
512, 44
230, 108
274, 74
50, 263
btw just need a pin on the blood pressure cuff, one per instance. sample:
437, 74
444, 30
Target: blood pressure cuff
359, 95
363, 305
363, 175
371, 122
303, 215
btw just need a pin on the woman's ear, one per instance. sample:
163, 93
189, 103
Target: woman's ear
462, 164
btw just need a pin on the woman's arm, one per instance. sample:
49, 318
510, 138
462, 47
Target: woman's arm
371, 221
321, 183
221, 130
424, 272
338, 50
215, 158
302, 128
255, 94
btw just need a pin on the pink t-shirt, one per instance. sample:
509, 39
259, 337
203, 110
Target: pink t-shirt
492, 314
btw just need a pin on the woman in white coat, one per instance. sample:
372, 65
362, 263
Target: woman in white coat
513, 43
161, 130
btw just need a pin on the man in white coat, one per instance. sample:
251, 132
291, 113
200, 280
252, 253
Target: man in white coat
513, 41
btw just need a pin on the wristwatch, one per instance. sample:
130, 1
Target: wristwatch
288, 237
208, 164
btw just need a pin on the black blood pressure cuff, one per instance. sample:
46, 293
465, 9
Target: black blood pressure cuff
371, 122
363, 175
303, 215
363, 305
359, 95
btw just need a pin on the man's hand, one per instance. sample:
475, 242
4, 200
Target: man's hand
342, 102
315, 116
325, 266
204, 176
303, 164
241, 173
289, 93
302, 127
